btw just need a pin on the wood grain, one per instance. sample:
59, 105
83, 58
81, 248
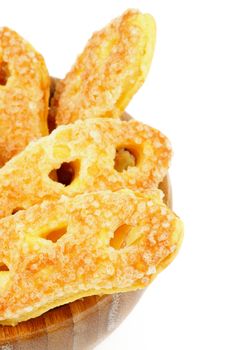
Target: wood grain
80, 325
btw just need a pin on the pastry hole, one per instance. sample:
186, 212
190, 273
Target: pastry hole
3, 267
66, 173
56, 234
120, 238
4, 73
14, 211
124, 159
53, 175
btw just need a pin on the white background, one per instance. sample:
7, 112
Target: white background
188, 96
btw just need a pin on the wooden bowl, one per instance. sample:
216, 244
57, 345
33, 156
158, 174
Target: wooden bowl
81, 324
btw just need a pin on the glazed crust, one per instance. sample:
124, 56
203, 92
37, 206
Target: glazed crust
112, 67
110, 242
87, 217
90, 148
24, 92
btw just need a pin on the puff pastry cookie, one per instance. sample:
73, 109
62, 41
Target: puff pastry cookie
96, 243
112, 67
24, 92
89, 150
88, 218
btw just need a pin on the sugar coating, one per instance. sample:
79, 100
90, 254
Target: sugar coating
91, 147
112, 67
43, 274
24, 97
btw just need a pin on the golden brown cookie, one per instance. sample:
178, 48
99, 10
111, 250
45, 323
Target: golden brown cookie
24, 92
97, 243
86, 156
112, 67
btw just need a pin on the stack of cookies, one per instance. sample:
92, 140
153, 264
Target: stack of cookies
80, 209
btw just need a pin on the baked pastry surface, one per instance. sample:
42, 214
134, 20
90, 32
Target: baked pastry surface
24, 92
112, 67
90, 149
97, 243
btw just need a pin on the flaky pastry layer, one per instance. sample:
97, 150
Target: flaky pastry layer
92, 244
112, 67
89, 147
24, 92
